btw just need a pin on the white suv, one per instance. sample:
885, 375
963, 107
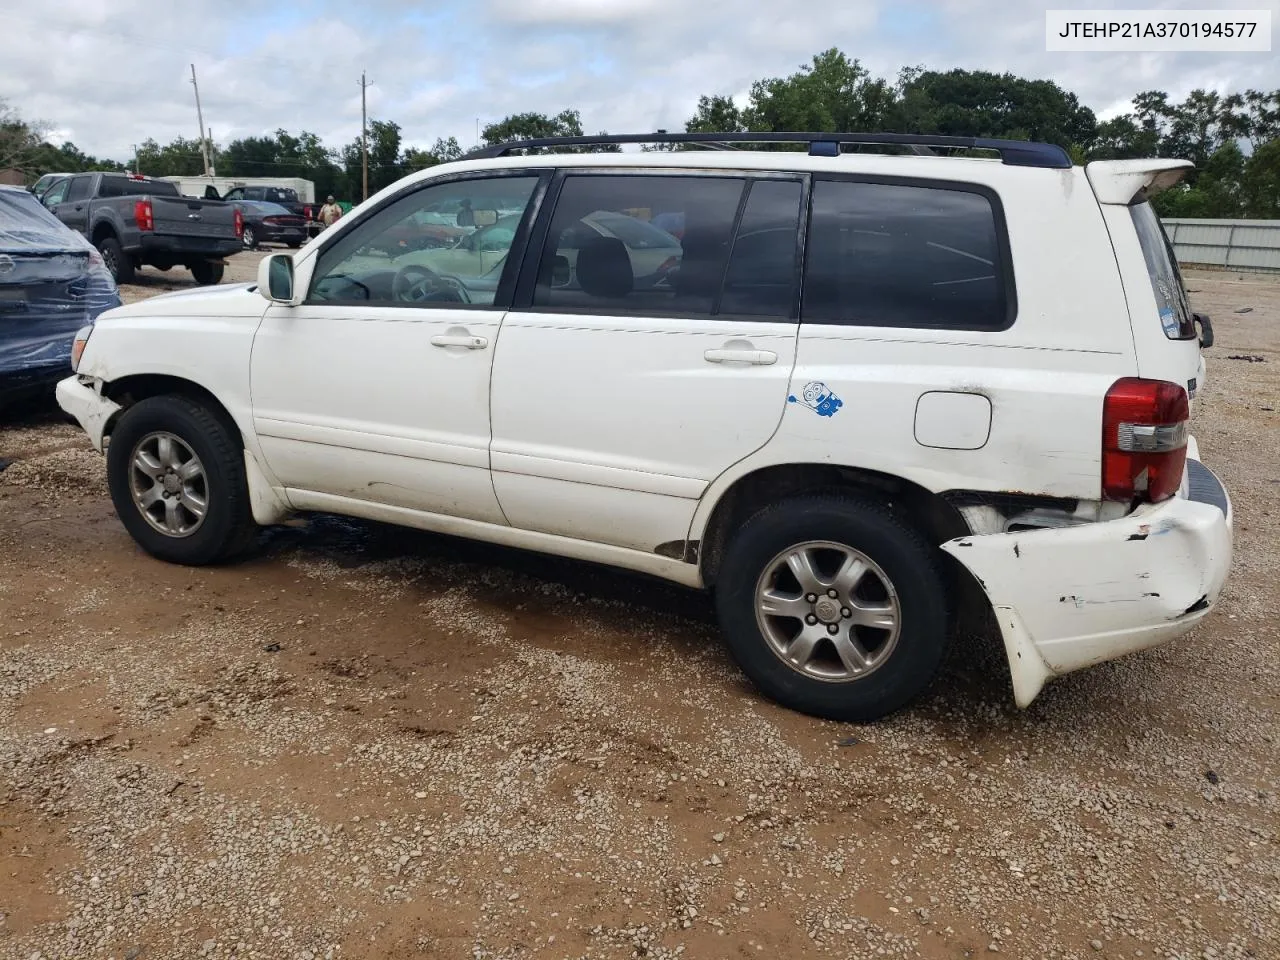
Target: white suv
845, 391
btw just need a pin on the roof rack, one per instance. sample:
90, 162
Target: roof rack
1018, 153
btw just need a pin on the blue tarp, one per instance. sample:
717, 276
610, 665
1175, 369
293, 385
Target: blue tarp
52, 283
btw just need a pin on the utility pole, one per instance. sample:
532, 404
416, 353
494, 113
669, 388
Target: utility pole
213, 172
364, 134
204, 144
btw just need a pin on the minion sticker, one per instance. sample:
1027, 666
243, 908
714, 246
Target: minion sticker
817, 396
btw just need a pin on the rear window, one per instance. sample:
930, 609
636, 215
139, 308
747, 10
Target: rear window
1162, 268
280, 195
896, 255
128, 187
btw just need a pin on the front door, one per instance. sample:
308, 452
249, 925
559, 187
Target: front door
69, 201
376, 388
650, 349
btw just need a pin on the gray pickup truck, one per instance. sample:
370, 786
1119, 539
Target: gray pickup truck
135, 220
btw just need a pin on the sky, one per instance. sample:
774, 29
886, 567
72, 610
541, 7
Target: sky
107, 74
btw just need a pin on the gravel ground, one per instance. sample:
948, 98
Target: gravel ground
369, 742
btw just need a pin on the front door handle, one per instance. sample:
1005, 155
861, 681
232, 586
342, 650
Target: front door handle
760, 357
459, 340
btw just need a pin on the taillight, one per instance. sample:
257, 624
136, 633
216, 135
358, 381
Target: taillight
1144, 439
142, 215
306, 212
239, 221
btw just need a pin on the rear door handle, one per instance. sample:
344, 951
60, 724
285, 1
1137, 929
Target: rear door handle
460, 340
760, 357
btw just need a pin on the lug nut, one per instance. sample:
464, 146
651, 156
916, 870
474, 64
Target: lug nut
832, 628
811, 597
846, 612
811, 619
832, 594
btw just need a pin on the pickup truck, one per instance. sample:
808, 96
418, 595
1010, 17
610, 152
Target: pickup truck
135, 220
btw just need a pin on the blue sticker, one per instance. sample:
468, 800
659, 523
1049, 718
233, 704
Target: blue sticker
817, 396
1169, 322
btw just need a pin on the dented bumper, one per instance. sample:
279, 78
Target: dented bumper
91, 409
1071, 597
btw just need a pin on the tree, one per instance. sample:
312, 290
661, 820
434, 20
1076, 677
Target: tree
536, 126
178, 158
1260, 184
716, 115
19, 140
442, 151
833, 93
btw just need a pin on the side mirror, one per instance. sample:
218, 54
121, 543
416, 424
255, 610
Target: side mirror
485, 218
275, 278
560, 271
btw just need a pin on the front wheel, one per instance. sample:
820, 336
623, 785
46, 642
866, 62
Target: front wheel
206, 273
834, 607
176, 474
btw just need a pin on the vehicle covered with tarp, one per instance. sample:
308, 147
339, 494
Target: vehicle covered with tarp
52, 283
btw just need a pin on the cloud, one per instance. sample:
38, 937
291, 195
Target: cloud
114, 72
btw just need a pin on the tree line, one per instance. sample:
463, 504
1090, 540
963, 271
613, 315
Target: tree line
1234, 140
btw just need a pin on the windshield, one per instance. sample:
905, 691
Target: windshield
1162, 268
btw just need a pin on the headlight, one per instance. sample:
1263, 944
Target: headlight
78, 345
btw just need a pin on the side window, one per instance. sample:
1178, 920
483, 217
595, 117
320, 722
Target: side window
254, 193
414, 252
1162, 268
79, 188
236, 194
761, 281
889, 255
56, 194
606, 251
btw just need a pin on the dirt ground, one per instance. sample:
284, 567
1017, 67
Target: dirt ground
370, 742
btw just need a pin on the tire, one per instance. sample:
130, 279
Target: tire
903, 582
207, 273
118, 262
249, 238
294, 244
227, 526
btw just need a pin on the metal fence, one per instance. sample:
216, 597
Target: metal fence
1252, 245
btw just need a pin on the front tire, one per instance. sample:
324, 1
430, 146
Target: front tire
206, 273
834, 607
176, 474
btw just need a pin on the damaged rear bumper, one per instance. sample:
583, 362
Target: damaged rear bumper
1071, 597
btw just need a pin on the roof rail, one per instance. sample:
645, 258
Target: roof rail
1018, 153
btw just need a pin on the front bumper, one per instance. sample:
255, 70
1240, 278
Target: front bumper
91, 410
1075, 596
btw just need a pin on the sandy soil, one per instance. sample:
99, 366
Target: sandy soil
368, 742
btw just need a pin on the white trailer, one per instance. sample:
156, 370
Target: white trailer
199, 186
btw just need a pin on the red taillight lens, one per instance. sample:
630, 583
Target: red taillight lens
1144, 439
142, 215
306, 212
239, 218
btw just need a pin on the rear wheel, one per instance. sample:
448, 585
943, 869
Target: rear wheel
294, 244
834, 607
176, 474
206, 273
249, 238
118, 264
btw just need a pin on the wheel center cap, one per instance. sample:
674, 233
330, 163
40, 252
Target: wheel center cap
827, 610
172, 484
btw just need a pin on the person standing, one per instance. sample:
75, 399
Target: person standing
330, 212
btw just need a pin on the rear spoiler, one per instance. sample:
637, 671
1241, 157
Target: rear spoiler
1122, 181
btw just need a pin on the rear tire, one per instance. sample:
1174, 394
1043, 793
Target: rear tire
249, 238
294, 245
207, 273
859, 655
118, 263
167, 456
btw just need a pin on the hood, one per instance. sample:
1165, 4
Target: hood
230, 300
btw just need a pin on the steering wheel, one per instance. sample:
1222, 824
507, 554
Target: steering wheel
415, 283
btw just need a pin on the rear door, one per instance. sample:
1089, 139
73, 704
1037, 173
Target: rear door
73, 210
636, 366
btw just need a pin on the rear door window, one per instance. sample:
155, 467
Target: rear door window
898, 255
79, 188
1162, 268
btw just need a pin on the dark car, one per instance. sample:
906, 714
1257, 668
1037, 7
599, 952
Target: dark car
286, 197
52, 283
270, 223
